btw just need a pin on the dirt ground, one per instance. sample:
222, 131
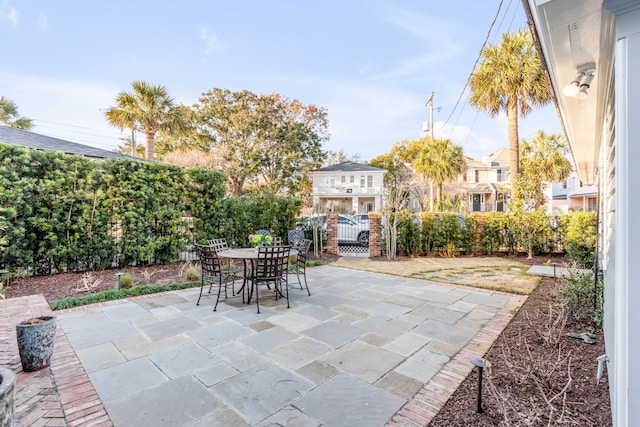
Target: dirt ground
527, 383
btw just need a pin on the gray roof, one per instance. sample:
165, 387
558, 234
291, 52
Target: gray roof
350, 167
13, 136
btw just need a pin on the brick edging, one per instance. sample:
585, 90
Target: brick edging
425, 404
61, 394
80, 401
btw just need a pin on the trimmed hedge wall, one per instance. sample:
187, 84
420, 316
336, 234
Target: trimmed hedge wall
451, 234
71, 213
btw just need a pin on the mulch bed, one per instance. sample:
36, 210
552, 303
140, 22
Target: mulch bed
510, 396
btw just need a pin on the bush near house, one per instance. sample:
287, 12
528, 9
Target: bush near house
72, 213
449, 235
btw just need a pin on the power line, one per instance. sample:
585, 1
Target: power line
476, 62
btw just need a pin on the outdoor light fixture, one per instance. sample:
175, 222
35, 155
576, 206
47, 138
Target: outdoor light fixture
579, 85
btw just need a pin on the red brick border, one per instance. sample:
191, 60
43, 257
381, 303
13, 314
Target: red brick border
423, 407
60, 395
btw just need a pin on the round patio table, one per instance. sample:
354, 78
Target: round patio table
248, 257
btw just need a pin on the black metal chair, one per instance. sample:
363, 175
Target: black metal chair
219, 245
271, 267
300, 265
263, 232
294, 237
213, 274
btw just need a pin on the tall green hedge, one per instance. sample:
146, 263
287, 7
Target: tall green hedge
448, 234
71, 213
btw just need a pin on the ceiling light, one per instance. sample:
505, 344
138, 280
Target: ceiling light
579, 85
572, 88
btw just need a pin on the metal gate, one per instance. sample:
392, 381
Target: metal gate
353, 236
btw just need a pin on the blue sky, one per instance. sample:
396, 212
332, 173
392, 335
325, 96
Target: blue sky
371, 63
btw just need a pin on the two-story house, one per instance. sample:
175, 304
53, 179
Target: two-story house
572, 195
348, 187
485, 185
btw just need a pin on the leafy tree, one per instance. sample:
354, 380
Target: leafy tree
543, 160
510, 76
399, 165
148, 108
9, 115
440, 161
335, 157
267, 140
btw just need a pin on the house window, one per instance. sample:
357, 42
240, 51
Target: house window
352, 179
362, 181
564, 184
369, 181
591, 203
343, 179
332, 181
369, 207
499, 173
472, 175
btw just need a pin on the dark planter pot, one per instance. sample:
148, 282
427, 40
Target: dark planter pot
7, 397
36, 337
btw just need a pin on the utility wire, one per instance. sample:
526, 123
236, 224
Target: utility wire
475, 63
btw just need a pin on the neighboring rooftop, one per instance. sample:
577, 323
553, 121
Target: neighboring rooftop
349, 167
13, 136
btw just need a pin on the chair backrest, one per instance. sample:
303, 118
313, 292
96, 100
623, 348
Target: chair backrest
272, 262
263, 232
295, 236
218, 244
303, 250
209, 261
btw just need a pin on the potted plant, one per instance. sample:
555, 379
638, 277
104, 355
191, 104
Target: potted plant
36, 337
7, 397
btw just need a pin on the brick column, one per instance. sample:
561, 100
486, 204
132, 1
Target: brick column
375, 234
332, 233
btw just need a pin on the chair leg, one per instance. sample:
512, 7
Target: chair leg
219, 291
298, 276
304, 274
257, 298
287, 288
200, 296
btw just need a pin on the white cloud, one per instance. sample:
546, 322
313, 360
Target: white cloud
43, 22
212, 44
13, 16
473, 144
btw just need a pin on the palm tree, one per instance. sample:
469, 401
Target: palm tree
9, 115
543, 160
440, 161
510, 76
150, 109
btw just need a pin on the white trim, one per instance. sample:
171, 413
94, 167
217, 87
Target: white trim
619, 361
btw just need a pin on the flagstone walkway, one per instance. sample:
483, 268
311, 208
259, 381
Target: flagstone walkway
365, 349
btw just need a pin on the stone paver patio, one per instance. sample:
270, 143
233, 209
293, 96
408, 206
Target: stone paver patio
365, 349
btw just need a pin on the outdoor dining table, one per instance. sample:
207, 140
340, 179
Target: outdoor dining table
248, 257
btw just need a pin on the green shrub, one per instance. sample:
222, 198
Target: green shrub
191, 274
581, 298
580, 229
127, 281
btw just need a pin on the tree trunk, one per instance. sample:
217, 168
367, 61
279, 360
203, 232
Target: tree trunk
236, 186
149, 153
430, 196
514, 153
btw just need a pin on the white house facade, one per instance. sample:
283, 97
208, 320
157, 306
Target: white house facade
348, 187
485, 184
572, 195
591, 50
